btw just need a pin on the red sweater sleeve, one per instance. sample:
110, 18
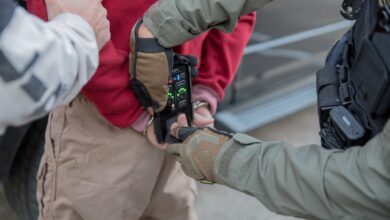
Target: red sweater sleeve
221, 60
220, 54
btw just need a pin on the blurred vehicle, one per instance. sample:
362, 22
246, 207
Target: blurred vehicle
276, 78
21, 149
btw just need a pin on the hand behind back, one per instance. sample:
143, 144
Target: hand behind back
91, 11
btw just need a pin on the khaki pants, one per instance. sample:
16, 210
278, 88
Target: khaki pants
91, 170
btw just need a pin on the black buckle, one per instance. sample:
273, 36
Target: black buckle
351, 8
345, 93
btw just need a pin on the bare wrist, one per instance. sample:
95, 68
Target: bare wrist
142, 122
144, 32
206, 94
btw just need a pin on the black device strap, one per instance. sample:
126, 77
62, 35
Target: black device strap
137, 26
146, 45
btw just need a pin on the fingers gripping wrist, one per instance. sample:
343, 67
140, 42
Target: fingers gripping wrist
150, 66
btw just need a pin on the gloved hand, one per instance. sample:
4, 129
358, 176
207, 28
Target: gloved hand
150, 66
198, 150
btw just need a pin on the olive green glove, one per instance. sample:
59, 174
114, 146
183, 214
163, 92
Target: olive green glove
150, 67
198, 150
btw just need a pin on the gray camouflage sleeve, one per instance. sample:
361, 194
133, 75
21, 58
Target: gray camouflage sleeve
7, 8
174, 22
309, 181
42, 65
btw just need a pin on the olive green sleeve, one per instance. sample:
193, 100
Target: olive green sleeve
174, 22
309, 181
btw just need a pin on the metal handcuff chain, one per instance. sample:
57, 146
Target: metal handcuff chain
385, 15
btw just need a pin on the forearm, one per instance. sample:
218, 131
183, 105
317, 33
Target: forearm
222, 54
175, 21
309, 181
43, 64
285, 179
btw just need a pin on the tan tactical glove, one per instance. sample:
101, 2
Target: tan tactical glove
198, 150
150, 67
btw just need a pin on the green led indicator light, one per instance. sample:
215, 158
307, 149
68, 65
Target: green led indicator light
182, 90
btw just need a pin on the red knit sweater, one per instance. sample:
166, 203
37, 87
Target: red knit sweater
219, 55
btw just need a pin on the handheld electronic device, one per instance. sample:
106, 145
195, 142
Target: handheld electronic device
179, 97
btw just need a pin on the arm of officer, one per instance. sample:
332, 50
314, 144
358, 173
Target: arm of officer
308, 181
174, 22
41, 64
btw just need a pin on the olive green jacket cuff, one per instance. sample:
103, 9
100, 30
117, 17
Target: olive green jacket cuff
309, 181
174, 22
167, 24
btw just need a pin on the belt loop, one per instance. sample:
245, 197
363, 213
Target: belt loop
57, 122
49, 139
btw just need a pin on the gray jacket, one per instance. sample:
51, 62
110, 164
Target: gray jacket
42, 65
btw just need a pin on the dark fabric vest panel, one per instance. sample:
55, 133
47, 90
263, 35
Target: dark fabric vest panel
370, 71
7, 8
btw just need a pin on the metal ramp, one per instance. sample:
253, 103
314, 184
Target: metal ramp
295, 94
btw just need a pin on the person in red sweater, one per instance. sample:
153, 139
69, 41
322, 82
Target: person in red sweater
97, 163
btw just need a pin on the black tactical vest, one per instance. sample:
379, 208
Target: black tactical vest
354, 86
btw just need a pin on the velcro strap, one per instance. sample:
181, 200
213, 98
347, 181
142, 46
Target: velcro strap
328, 97
327, 87
327, 76
149, 45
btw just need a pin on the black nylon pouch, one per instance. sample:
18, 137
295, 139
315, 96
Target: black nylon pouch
370, 77
327, 90
327, 87
328, 78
